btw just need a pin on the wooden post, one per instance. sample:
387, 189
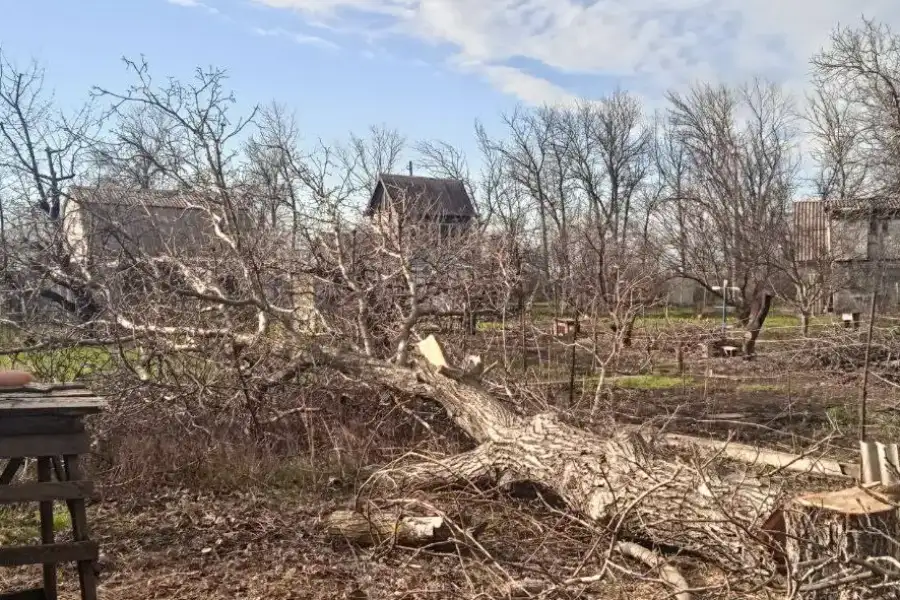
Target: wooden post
864, 390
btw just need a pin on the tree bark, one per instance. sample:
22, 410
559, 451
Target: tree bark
369, 530
759, 310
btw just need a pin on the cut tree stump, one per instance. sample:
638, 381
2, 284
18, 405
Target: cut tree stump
843, 545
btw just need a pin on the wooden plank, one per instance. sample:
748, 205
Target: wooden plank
14, 556
37, 424
45, 510
38, 388
87, 576
43, 445
45, 490
9, 471
36, 393
33, 594
86, 403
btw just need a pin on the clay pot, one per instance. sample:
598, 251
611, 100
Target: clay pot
14, 378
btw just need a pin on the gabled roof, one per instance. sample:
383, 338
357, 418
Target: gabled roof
423, 196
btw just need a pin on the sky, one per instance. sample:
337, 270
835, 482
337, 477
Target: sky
429, 68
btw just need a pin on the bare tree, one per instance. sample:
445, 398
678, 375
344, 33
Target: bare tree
741, 149
857, 114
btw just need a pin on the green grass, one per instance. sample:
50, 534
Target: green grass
64, 364
491, 325
19, 526
759, 387
651, 382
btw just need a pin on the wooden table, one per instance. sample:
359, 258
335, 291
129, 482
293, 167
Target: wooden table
45, 423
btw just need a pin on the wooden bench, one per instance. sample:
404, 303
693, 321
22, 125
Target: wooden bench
45, 423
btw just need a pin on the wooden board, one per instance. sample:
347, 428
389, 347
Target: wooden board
72, 398
43, 445
14, 556
50, 490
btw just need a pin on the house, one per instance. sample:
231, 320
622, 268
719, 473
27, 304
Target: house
112, 230
112, 225
860, 239
400, 200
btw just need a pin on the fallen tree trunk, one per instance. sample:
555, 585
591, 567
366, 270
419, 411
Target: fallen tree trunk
637, 491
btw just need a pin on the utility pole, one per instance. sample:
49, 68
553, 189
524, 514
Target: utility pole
724, 289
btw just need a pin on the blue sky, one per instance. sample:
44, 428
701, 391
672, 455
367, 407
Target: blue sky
426, 67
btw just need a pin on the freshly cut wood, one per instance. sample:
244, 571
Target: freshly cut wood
843, 545
369, 530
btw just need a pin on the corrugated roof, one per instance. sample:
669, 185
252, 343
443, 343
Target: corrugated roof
875, 204
118, 196
425, 196
810, 229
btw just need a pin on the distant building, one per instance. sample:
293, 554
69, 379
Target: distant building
407, 199
860, 238
109, 225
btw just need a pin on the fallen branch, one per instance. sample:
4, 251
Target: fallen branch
370, 530
753, 455
667, 572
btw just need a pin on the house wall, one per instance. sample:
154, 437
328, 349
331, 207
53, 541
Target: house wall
891, 240
848, 239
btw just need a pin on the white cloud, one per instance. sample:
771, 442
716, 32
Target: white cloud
195, 4
298, 38
650, 45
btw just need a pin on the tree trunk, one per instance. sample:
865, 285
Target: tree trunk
857, 528
759, 310
804, 323
735, 520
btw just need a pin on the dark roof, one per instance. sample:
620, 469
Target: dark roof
879, 204
119, 196
424, 196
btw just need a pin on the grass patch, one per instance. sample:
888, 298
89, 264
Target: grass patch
759, 387
490, 325
652, 382
64, 364
20, 526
